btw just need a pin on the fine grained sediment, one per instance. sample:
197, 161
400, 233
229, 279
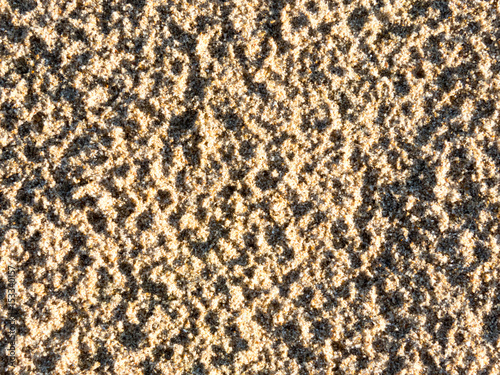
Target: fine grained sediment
251, 187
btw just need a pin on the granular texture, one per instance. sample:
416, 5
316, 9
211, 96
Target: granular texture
250, 187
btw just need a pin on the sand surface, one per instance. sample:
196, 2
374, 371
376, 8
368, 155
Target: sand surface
250, 187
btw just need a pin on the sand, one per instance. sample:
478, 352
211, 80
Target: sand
249, 187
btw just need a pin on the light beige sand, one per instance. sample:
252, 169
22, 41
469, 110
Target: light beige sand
250, 187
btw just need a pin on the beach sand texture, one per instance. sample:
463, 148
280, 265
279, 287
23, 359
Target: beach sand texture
250, 187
